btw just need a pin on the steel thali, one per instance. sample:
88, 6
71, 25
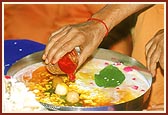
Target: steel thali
133, 105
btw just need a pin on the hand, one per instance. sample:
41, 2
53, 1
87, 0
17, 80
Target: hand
87, 36
155, 52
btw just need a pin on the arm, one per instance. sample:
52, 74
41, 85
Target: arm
114, 13
87, 35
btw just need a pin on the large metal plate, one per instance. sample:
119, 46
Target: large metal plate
136, 104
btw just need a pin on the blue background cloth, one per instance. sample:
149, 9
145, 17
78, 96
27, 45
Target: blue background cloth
17, 49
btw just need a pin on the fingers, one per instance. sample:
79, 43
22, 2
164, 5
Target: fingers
153, 59
66, 42
66, 47
150, 47
82, 35
86, 52
161, 59
60, 30
54, 40
158, 36
153, 52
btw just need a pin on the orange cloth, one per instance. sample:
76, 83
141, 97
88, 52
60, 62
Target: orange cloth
148, 23
36, 22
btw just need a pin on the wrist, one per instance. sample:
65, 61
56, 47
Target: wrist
102, 23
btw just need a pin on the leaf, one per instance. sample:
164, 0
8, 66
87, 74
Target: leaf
110, 76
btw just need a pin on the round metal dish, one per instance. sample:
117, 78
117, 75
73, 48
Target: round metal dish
133, 105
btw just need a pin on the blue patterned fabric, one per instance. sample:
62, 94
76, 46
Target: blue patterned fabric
16, 49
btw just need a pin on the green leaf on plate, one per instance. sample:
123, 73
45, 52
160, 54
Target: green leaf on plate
110, 76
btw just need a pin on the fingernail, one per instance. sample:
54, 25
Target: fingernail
44, 57
46, 61
53, 62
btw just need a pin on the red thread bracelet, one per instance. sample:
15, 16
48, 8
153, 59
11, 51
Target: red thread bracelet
96, 19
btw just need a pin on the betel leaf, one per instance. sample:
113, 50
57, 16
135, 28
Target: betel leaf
110, 76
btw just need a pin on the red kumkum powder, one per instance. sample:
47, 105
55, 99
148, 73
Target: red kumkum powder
67, 64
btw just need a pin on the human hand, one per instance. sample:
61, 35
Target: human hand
87, 36
155, 52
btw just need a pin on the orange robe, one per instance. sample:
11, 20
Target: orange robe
148, 23
37, 22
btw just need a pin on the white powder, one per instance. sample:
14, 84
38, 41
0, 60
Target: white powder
19, 99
